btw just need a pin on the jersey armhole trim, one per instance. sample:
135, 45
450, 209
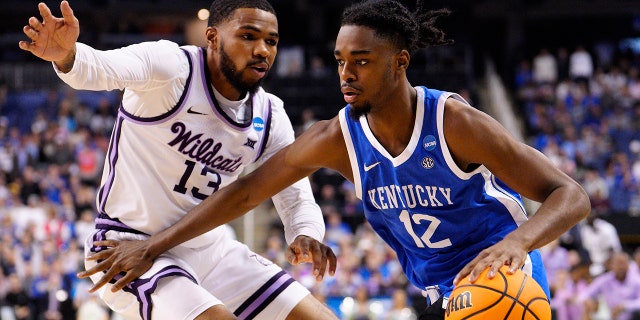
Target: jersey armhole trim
353, 159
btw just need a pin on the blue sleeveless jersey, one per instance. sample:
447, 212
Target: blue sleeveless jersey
435, 216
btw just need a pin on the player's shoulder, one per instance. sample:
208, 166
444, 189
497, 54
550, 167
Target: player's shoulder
189, 48
275, 100
161, 45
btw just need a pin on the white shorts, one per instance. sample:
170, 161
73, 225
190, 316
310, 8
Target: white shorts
184, 282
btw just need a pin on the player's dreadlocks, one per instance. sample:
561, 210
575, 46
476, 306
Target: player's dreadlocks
222, 9
393, 21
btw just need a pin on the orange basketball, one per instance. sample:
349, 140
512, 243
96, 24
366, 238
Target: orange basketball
506, 296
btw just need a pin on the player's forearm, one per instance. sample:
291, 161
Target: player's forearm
299, 212
563, 208
218, 209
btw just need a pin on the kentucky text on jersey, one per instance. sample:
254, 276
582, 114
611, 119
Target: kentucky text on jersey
203, 151
409, 196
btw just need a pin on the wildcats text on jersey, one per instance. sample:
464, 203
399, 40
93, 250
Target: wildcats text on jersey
203, 151
409, 196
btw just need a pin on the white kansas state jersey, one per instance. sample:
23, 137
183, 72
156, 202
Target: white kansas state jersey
158, 168
434, 215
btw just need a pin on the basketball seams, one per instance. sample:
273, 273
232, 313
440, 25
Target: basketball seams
531, 311
515, 299
522, 303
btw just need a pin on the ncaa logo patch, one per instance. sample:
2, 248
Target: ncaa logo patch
429, 143
428, 163
258, 124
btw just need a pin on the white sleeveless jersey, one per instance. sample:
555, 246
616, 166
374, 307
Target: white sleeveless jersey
158, 168
173, 144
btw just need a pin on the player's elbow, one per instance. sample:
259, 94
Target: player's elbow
581, 202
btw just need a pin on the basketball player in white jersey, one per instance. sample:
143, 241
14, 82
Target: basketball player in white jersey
191, 119
440, 180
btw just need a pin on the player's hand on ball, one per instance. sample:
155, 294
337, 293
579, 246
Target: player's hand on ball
506, 252
118, 257
305, 249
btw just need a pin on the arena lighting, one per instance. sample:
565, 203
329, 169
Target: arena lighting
203, 14
62, 295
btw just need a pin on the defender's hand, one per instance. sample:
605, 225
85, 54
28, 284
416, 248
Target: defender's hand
120, 257
306, 249
52, 39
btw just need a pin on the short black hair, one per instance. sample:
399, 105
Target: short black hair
393, 21
222, 10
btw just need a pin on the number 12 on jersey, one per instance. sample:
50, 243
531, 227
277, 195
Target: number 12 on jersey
425, 239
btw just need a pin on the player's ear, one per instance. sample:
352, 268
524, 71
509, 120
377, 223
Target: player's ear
403, 59
212, 37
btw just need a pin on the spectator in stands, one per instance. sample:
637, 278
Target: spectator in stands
545, 69
18, 299
619, 288
634, 265
307, 119
562, 61
569, 284
597, 189
622, 185
358, 308
580, 65
556, 260
336, 229
352, 209
523, 74
29, 184
600, 239
400, 309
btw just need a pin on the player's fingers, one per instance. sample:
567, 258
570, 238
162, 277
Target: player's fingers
99, 267
319, 260
333, 262
30, 32
304, 253
493, 269
102, 255
104, 280
35, 24
515, 264
476, 270
45, 12
466, 270
122, 282
26, 46
291, 256
67, 12
105, 243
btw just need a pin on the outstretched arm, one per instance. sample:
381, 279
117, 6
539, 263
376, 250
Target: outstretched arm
318, 147
53, 39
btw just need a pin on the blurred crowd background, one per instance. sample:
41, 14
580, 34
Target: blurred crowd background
563, 76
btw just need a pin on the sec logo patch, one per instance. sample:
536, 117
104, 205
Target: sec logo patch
428, 163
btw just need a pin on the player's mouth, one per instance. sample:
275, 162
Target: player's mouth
350, 94
260, 69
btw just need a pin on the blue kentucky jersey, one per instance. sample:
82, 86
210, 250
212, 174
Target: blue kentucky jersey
434, 215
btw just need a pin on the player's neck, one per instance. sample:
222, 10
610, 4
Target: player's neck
393, 123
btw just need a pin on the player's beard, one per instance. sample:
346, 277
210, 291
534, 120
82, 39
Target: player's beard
234, 76
363, 110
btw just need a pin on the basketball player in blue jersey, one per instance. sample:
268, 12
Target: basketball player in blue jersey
191, 119
440, 180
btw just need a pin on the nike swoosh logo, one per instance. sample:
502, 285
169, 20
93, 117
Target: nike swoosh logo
190, 110
369, 167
